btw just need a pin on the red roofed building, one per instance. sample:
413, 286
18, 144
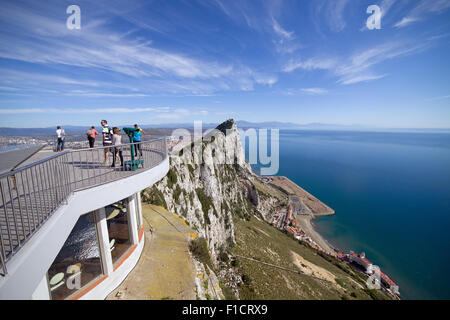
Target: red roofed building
291, 231
361, 260
342, 256
389, 283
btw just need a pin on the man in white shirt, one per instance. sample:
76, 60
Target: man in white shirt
61, 134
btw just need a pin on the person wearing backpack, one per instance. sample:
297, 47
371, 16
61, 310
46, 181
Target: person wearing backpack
107, 139
137, 138
91, 133
116, 142
61, 135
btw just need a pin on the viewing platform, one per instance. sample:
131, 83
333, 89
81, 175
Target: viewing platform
42, 204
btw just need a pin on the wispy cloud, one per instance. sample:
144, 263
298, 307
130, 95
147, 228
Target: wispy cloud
285, 41
359, 66
101, 50
310, 64
76, 111
332, 12
314, 91
158, 112
406, 21
438, 98
422, 10
280, 31
385, 7
352, 79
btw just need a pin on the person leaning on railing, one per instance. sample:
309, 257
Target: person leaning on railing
61, 135
116, 142
137, 138
91, 133
107, 139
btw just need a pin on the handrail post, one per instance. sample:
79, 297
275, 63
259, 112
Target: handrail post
2, 255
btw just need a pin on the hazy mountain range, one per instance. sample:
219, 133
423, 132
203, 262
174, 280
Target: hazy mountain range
5, 131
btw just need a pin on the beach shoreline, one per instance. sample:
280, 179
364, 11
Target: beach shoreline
315, 208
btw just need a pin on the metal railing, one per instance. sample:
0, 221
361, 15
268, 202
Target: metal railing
31, 194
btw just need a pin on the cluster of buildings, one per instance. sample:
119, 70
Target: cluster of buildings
16, 141
285, 218
71, 142
370, 269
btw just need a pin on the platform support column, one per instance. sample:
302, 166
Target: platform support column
132, 221
103, 240
139, 209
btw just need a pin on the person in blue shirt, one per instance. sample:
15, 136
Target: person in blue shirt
137, 138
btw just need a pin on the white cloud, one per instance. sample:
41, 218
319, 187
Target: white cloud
385, 6
314, 91
423, 9
126, 58
333, 12
280, 31
438, 98
360, 78
358, 66
158, 112
78, 110
310, 64
405, 21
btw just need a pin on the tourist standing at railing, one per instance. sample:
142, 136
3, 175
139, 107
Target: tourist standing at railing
91, 133
107, 139
61, 135
137, 138
117, 141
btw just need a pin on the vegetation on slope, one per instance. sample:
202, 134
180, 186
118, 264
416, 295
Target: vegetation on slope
260, 241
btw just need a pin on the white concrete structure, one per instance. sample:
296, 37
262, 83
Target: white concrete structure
361, 260
28, 270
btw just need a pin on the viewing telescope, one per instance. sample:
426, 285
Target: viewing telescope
133, 164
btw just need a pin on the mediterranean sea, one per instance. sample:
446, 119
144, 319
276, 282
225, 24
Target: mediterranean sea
391, 194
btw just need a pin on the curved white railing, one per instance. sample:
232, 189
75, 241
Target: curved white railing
31, 194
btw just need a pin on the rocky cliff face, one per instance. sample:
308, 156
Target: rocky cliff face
210, 192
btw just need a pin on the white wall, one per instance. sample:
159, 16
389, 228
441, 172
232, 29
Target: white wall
27, 268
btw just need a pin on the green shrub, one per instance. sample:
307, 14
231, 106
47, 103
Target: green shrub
206, 203
223, 256
199, 249
156, 197
340, 282
171, 178
246, 279
228, 293
191, 169
373, 294
177, 193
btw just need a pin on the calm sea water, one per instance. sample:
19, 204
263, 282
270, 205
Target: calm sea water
391, 194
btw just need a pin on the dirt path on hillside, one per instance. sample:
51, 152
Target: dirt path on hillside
311, 269
165, 269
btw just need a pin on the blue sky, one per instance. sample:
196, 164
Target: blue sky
179, 61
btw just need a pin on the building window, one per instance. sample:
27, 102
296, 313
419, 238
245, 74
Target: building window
78, 263
118, 230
